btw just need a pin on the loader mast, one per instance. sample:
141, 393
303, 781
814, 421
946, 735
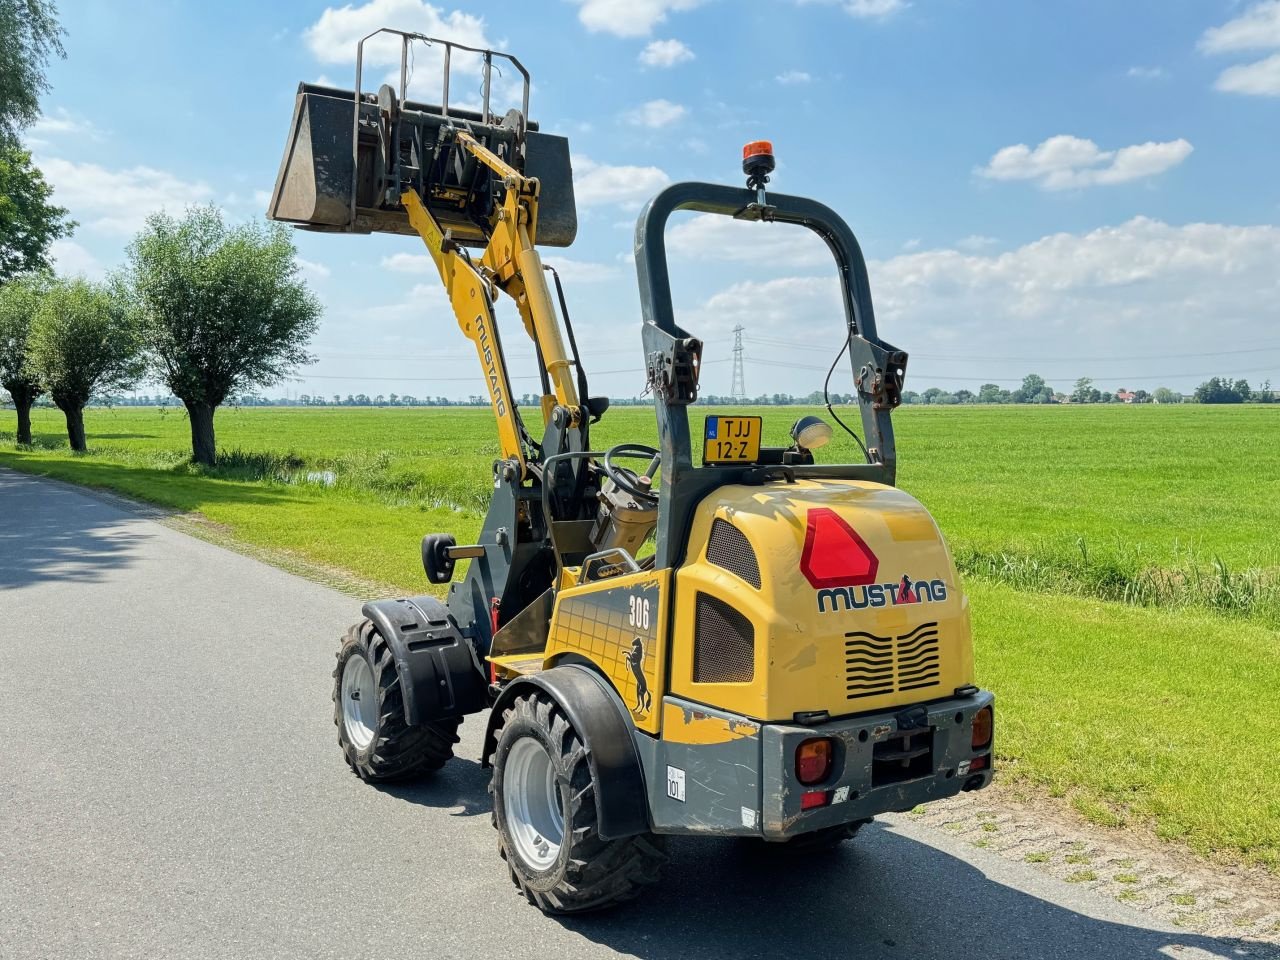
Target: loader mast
509, 263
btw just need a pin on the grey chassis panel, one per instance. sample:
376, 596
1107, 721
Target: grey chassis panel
747, 786
782, 816
721, 780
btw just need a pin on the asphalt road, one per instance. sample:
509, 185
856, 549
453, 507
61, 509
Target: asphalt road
170, 786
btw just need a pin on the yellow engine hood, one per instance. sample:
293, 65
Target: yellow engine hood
869, 615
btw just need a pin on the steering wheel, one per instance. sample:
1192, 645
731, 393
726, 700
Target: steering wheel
627, 479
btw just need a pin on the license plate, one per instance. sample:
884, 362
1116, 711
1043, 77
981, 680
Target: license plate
731, 439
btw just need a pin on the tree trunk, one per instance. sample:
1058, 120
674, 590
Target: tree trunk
23, 407
203, 446
75, 428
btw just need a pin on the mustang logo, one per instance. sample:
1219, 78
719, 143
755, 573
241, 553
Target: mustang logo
635, 660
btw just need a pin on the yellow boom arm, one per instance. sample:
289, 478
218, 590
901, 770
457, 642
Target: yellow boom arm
510, 264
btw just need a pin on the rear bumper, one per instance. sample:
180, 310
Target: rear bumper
744, 783
867, 777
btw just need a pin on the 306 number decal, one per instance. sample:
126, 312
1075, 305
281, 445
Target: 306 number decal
639, 613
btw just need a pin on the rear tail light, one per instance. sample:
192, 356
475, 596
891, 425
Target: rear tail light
813, 760
982, 724
979, 763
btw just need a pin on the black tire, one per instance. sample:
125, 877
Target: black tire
397, 751
589, 873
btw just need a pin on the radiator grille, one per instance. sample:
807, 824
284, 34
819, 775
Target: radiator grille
876, 665
723, 643
728, 548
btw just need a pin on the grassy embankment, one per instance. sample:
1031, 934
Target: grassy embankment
1154, 711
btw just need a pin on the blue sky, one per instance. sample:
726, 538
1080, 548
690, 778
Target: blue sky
1076, 189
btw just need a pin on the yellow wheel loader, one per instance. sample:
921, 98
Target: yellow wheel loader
792, 658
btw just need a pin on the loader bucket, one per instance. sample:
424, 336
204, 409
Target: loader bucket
333, 182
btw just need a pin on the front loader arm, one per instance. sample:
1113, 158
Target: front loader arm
470, 298
512, 263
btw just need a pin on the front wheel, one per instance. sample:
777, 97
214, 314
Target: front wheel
544, 808
368, 708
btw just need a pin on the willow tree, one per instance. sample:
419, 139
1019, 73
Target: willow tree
19, 300
223, 309
83, 343
32, 37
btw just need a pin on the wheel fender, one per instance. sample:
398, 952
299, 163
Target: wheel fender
438, 670
602, 721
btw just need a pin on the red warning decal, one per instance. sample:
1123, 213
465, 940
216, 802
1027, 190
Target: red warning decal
834, 555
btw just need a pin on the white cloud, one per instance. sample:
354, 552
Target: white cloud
709, 236
71, 259
665, 53
62, 121
1145, 271
1148, 73
313, 270
912, 244
595, 184
628, 18
409, 263
1064, 162
118, 201
1259, 79
1133, 289
332, 39
655, 114
867, 9
581, 271
791, 77
874, 9
1258, 28
976, 241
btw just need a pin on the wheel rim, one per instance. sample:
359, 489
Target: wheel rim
531, 801
359, 701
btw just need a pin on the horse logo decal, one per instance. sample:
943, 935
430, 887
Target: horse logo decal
635, 660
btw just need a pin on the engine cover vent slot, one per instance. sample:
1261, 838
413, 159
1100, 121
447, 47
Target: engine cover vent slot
876, 665
724, 643
728, 548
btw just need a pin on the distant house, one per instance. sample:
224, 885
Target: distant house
1126, 396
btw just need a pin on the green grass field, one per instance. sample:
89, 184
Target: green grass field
1154, 711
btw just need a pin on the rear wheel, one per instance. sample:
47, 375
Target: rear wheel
544, 808
368, 708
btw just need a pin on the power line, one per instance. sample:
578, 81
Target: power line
1112, 358
927, 376
472, 379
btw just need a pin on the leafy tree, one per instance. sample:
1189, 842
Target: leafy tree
908, 396
83, 343
989, 393
1165, 395
1265, 394
1029, 392
1084, 391
931, 395
19, 301
964, 396
223, 310
1218, 390
1242, 389
29, 223
31, 36
1141, 396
